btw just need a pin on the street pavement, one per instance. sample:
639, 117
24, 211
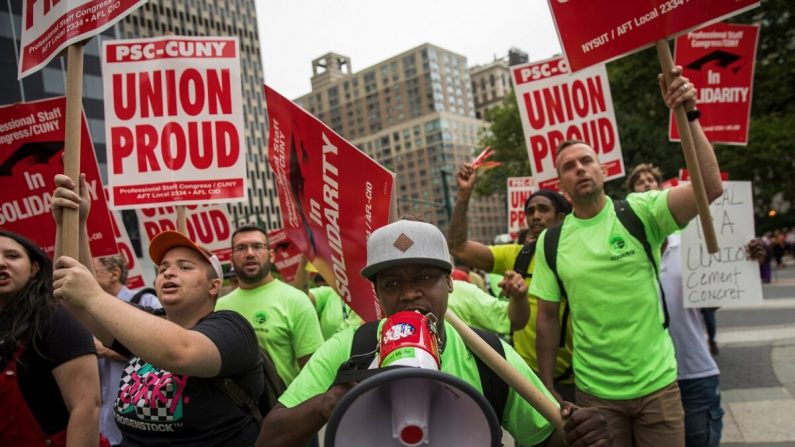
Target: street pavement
757, 363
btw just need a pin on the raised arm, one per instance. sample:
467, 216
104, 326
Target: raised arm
682, 199
187, 352
67, 196
471, 253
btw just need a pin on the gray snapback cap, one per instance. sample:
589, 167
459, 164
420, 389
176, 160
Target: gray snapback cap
406, 242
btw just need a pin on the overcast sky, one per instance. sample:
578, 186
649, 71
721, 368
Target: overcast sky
293, 32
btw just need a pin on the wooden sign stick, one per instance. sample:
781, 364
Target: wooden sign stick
535, 397
71, 157
182, 220
689, 149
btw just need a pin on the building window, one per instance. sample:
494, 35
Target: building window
54, 81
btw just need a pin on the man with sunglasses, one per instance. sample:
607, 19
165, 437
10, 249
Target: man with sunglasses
282, 316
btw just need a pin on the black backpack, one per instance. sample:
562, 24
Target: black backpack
365, 345
274, 387
520, 266
626, 215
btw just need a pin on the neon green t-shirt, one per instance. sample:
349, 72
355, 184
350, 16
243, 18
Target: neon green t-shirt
494, 288
621, 350
479, 309
524, 340
333, 313
523, 422
283, 319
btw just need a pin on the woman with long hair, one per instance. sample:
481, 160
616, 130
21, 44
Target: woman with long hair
49, 385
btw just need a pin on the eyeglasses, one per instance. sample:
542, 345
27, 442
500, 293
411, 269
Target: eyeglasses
256, 246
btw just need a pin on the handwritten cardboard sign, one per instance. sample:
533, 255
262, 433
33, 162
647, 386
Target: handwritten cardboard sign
726, 278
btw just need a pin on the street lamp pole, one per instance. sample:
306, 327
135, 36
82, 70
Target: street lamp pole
447, 208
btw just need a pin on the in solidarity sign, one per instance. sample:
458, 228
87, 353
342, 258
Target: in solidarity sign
556, 106
31, 154
719, 60
174, 121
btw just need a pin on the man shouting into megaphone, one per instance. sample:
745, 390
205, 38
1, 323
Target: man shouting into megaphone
409, 264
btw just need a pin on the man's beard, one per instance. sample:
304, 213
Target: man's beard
254, 278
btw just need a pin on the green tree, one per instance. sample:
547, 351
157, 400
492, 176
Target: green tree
768, 160
504, 135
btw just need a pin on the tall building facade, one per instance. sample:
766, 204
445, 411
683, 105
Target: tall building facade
224, 18
158, 18
492, 82
414, 114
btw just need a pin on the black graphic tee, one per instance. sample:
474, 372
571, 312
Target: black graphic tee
157, 408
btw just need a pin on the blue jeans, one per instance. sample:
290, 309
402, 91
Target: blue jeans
703, 414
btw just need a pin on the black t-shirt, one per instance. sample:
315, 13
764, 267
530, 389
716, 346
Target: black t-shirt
157, 408
65, 340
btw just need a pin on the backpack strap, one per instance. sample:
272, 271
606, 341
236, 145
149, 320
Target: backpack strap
274, 387
633, 224
495, 390
551, 242
524, 258
363, 350
239, 396
136, 299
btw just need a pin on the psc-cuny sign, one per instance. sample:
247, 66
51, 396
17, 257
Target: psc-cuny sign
598, 31
719, 60
726, 278
174, 121
519, 189
31, 152
49, 26
556, 106
207, 225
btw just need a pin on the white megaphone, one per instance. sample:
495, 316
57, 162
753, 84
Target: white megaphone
412, 406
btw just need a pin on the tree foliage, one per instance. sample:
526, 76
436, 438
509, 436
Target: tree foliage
768, 160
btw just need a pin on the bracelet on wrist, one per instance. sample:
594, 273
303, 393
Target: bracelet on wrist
693, 115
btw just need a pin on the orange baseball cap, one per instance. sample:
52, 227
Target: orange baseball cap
166, 240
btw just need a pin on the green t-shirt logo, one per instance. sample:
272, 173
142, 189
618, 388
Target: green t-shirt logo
617, 244
260, 317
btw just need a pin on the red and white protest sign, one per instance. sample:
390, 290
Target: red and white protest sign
174, 121
332, 197
556, 106
135, 276
685, 176
31, 151
49, 26
719, 60
598, 31
519, 189
208, 226
286, 255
